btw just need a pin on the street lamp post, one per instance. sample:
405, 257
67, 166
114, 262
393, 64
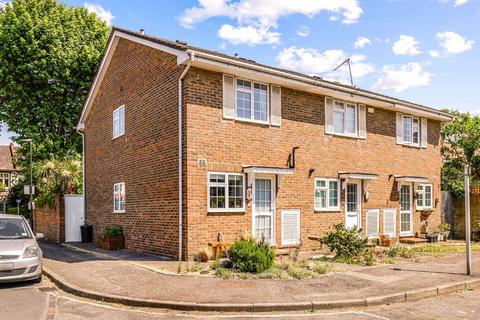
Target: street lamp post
467, 172
30, 141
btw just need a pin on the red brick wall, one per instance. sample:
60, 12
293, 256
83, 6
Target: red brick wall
51, 221
145, 80
229, 144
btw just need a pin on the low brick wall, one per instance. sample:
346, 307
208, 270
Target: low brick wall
459, 212
51, 221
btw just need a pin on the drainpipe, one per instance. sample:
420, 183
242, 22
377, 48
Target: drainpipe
78, 128
180, 156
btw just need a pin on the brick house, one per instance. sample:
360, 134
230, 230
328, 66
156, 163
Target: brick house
274, 152
8, 173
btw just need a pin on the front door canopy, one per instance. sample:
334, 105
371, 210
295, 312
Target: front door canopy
268, 170
357, 176
407, 179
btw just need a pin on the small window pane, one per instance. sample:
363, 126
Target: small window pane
242, 84
217, 178
428, 196
244, 105
339, 122
321, 183
407, 129
320, 199
217, 197
235, 191
260, 102
415, 131
333, 193
351, 119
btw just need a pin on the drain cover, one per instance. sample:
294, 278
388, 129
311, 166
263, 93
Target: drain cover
47, 289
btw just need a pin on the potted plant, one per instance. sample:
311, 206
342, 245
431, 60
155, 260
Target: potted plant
425, 213
112, 238
444, 231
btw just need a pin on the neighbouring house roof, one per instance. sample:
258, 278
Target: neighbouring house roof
6, 158
208, 59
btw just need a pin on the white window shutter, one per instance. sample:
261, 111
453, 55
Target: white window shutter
372, 222
290, 227
228, 96
424, 135
399, 128
362, 121
276, 105
389, 221
328, 115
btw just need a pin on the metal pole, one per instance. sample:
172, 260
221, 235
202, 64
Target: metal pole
467, 218
31, 189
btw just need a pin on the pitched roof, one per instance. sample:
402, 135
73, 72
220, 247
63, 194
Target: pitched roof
184, 48
6, 158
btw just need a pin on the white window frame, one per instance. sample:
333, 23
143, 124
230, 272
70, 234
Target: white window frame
409, 140
115, 192
252, 101
422, 192
5, 176
327, 188
345, 105
120, 122
225, 184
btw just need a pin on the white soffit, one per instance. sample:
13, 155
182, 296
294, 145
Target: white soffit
411, 179
358, 176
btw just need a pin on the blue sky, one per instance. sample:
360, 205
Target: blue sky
424, 51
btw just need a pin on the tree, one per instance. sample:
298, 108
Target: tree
48, 56
461, 145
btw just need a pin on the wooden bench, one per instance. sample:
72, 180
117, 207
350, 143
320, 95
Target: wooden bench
218, 247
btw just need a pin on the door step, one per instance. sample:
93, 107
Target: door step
413, 240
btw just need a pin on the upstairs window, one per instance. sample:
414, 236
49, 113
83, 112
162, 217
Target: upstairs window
344, 118
327, 194
226, 192
251, 100
424, 196
119, 122
5, 179
411, 128
119, 197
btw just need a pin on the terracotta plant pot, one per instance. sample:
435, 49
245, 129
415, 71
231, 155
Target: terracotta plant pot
388, 242
111, 242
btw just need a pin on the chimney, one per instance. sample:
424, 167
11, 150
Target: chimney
142, 31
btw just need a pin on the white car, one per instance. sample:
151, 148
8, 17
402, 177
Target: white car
20, 254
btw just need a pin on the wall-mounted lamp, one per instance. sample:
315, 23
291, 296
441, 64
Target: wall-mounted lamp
366, 195
249, 193
310, 172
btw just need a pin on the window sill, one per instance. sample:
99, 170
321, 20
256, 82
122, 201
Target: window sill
412, 145
336, 210
119, 136
226, 211
351, 136
265, 123
120, 211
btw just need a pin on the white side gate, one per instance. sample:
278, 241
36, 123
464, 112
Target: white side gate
74, 217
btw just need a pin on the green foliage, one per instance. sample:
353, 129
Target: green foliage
223, 273
112, 231
48, 56
346, 243
461, 145
252, 256
2, 187
58, 176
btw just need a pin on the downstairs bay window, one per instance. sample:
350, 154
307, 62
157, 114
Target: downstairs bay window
226, 192
327, 194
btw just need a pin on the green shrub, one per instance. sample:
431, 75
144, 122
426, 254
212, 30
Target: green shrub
251, 256
346, 243
112, 231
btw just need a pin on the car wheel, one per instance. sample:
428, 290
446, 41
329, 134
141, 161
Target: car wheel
38, 280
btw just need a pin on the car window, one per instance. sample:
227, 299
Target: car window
13, 229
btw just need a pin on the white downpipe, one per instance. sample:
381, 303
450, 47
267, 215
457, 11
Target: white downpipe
83, 169
180, 157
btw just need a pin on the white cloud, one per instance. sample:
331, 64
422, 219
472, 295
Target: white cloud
404, 77
361, 42
248, 35
453, 43
304, 31
434, 53
314, 62
101, 12
406, 45
460, 2
264, 14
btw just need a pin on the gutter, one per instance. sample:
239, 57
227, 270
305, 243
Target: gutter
191, 57
80, 128
305, 79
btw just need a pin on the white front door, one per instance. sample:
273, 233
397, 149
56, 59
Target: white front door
74, 217
406, 224
353, 216
264, 209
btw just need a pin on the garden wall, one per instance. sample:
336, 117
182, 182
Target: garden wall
51, 221
459, 212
